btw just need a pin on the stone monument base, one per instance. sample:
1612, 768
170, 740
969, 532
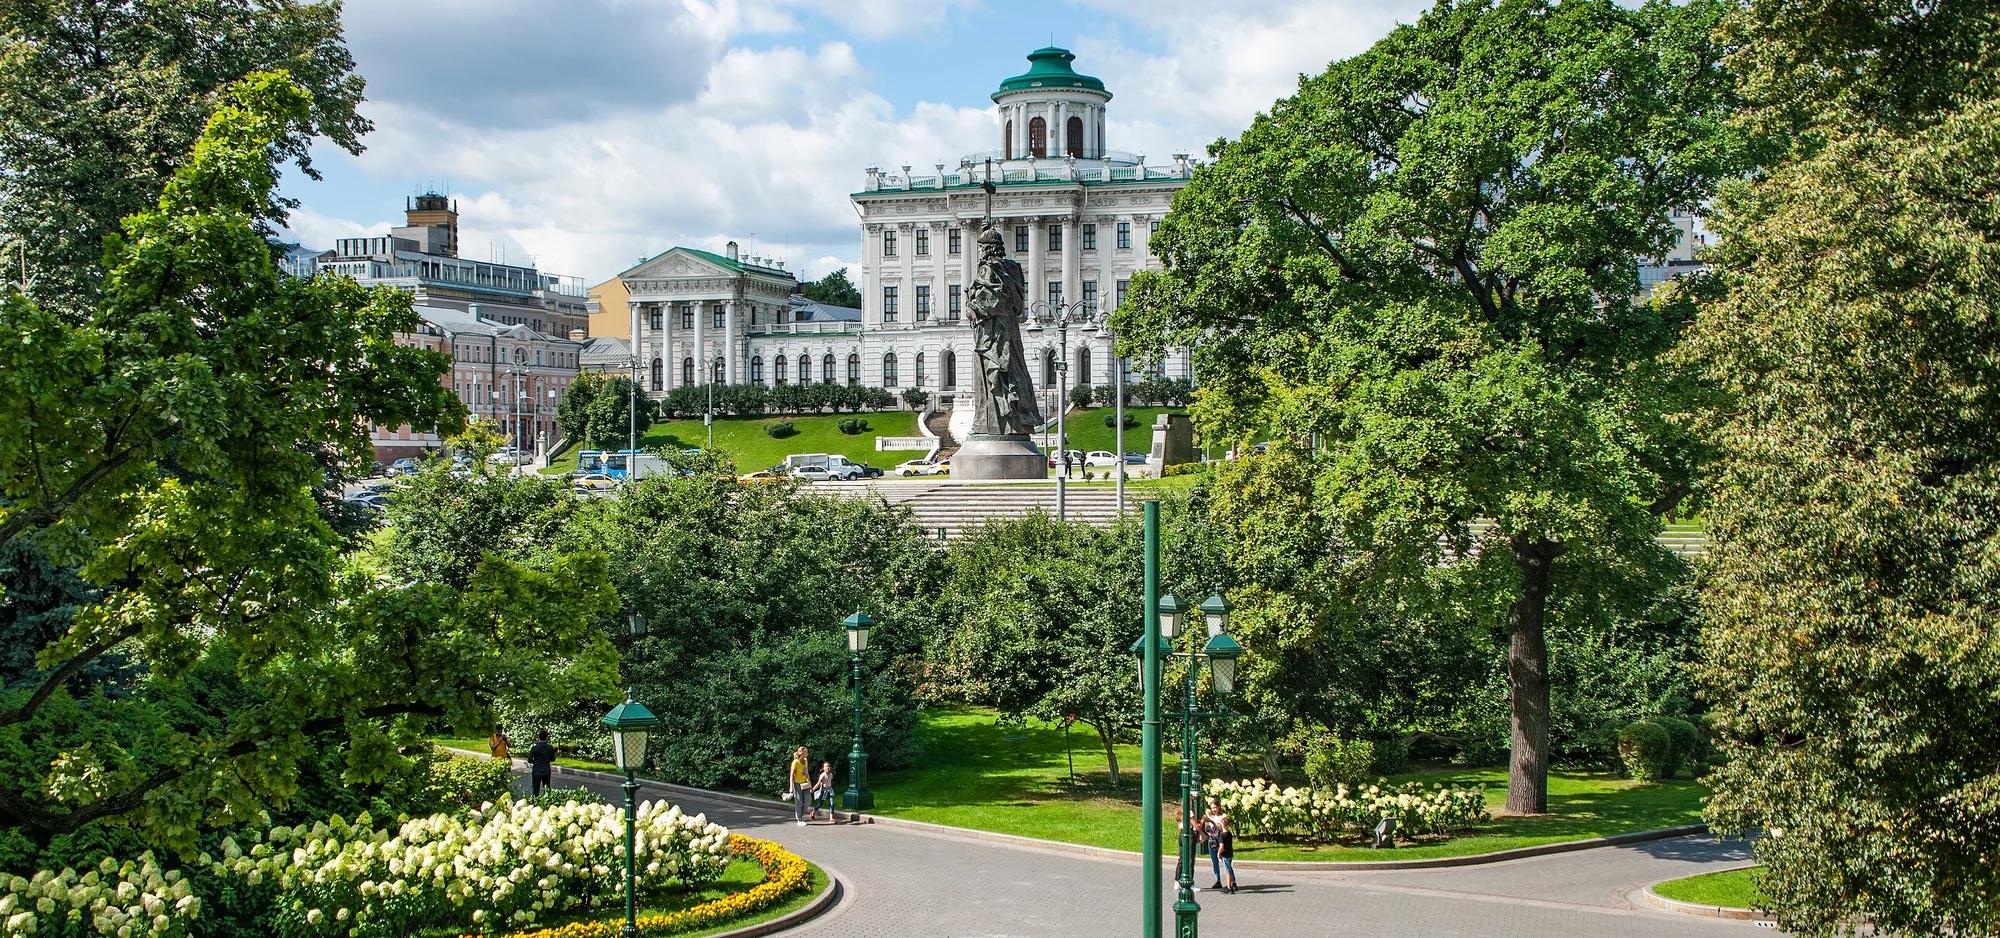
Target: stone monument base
986, 458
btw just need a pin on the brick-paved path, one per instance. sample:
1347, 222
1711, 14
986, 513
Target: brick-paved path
905, 882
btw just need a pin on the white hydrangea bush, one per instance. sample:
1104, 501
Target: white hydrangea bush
502, 867
1419, 811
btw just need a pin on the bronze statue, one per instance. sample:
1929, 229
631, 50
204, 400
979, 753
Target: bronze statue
1004, 400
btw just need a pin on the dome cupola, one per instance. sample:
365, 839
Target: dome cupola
1050, 111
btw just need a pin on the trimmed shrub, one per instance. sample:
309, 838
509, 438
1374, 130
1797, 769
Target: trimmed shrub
853, 426
1332, 761
552, 796
780, 429
1111, 420
1686, 744
1081, 396
1647, 749
464, 783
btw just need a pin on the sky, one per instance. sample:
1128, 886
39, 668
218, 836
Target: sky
584, 135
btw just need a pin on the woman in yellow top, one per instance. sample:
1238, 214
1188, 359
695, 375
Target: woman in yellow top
498, 744
799, 782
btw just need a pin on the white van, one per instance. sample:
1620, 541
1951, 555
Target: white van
836, 465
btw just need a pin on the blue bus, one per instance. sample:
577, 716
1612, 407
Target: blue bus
613, 463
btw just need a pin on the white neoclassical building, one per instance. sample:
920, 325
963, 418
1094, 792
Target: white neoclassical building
1077, 215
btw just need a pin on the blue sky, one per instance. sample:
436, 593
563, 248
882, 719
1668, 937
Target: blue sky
586, 133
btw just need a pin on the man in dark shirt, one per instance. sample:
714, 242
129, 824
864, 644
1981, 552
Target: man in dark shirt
541, 757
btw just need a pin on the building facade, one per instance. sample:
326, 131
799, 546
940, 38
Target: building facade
507, 375
1078, 216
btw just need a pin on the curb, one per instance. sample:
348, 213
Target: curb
1036, 843
827, 898
1654, 899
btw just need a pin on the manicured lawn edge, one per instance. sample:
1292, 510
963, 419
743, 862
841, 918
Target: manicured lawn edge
1087, 850
1654, 899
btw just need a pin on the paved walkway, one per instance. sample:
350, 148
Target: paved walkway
906, 882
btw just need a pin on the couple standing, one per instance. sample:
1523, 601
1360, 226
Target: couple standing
800, 786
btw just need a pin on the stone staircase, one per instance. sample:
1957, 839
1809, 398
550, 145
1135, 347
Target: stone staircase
954, 508
939, 423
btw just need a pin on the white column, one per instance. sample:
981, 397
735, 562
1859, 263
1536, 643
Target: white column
1072, 259
1038, 248
1057, 127
940, 242
700, 346
729, 342
906, 297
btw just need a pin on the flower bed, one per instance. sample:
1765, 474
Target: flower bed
1260, 806
785, 875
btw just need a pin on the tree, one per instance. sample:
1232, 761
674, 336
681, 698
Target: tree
1425, 261
169, 449
834, 289
915, 398
573, 413
611, 415
1852, 653
104, 100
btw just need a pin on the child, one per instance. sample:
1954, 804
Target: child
823, 791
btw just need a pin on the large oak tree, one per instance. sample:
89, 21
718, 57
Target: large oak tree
1422, 267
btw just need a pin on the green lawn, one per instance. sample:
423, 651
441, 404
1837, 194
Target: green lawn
745, 440
1086, 430
1735, 889
981, 774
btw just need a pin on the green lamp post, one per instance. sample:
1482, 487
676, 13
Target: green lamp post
630, 722
857, 797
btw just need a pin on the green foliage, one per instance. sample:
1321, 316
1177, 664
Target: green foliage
463, 784
552, 796
573, 413
609, 412
780, 429
853, 426
1080, 396
103, 103
834, 289
915, 398
1425, 263
1332, 761
1686, 744
1111, 420
1647, 749
446, 519
1851, 658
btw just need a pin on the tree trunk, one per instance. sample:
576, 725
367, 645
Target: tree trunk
1110, 751
1528, 677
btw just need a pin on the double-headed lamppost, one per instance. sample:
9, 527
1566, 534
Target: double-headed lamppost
630, 722
857, 797
1164, 617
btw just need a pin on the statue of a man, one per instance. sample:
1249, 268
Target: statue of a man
1004, 401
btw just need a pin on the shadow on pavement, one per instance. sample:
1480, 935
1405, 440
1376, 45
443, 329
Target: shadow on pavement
1699, 849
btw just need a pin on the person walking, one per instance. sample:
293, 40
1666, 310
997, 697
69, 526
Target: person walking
541, 765
1221, 846
797, 781
823, 791
497, 745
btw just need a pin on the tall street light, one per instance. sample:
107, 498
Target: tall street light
630, 722
857, 796
1219, 653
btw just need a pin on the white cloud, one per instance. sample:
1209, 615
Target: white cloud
315, 229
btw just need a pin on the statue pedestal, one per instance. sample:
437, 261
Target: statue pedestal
986, 457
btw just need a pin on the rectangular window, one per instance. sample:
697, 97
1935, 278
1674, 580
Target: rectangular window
923, 302
1020, 239
1124, 236
717, 310
687, 317
1150, 232
920, 369
1090, 237
923, 241
954, 241
1055, 237
1055, 293
888, 244
653, 320
888, 309
954, 302
1090, 296
1123, 285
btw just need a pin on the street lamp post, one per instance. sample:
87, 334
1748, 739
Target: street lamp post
857, 796
1220, 654
1061, 315
630, 722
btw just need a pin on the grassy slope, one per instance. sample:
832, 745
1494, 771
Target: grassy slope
1736, 889
1014, 779
1086, 430
746, 442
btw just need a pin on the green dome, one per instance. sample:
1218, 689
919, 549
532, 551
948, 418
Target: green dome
1049, 68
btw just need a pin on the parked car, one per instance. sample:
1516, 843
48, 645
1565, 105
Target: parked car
595, 482
406, 466
376, 468
1100, 457
370, 501
1134, 458
921, 467
870, 472
813, 474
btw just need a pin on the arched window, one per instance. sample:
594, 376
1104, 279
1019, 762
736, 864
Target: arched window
805, 369
687, 371
1083, 365
1009, 140
889, 370
659, 375
778, 369
1038, 137
1073, 137
920, 369
1048, 367
826, 369
520, 355
853, 368
716, 371
756, 369
948, 370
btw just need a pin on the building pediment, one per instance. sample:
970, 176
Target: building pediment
678, 263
